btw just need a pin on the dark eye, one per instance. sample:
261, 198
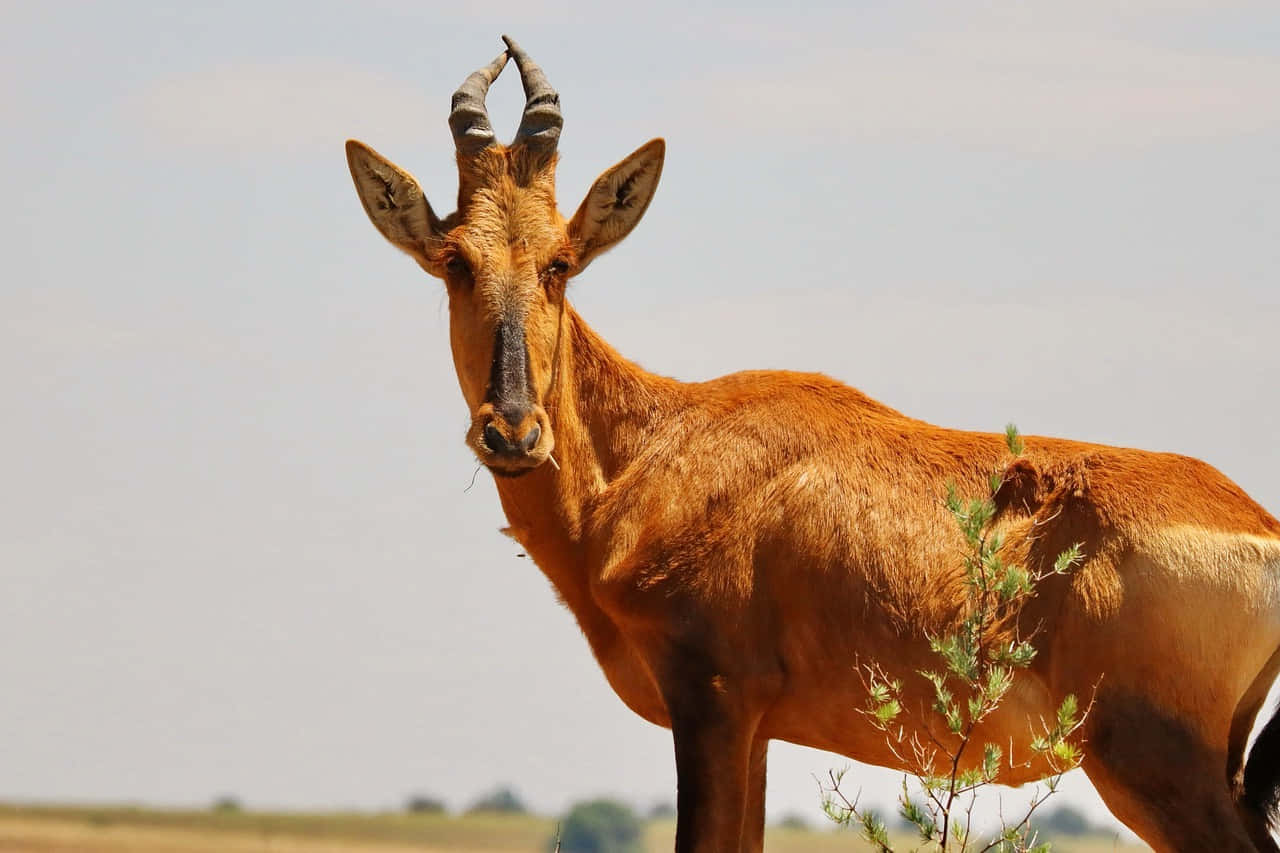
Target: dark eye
558, 267
457, 266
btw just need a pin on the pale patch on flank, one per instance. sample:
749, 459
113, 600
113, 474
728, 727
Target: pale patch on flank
1238, 562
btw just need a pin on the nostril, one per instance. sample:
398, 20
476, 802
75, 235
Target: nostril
494, 440
531, 439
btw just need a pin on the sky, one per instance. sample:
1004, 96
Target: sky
240, 551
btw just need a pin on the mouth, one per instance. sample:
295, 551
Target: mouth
509, 473
510, 468
509, 465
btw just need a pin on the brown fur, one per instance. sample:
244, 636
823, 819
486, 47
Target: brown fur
732, 548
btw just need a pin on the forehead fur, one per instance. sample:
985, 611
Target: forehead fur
506, 196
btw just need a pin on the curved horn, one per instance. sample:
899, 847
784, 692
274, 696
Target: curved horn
540, 125
468, 118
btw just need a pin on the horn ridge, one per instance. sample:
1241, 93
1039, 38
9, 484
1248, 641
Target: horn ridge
468, 116
542, 120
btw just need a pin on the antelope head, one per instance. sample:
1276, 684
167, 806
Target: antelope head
506, 255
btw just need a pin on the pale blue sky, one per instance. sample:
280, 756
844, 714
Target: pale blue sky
235, 546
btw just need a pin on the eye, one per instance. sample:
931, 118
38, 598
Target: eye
558, 267
457, 266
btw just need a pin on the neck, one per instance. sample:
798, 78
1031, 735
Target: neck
603, 408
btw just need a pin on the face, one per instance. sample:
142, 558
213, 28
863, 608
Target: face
506, 265
506, 256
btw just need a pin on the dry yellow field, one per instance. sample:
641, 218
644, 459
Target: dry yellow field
129, 830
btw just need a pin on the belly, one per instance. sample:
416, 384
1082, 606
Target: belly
831, 715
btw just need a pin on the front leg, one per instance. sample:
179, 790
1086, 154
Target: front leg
753, 820
713, 725
711, 651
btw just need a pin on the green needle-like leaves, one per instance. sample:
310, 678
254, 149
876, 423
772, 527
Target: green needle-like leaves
980, 656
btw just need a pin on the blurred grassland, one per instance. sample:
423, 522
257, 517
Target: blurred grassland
115, 829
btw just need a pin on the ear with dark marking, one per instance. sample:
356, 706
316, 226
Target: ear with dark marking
394, 201
616, 202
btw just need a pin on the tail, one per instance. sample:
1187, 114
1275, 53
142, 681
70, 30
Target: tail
1261, 793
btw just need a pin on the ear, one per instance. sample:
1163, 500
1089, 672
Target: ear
616, 201
394, 202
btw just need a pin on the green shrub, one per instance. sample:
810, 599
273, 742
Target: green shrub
424, 804
503, 801
1066, 821
600, 826
227, 803
973, 677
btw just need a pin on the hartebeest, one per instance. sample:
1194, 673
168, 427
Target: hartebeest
731, 548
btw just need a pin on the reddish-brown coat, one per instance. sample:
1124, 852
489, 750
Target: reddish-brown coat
733, 549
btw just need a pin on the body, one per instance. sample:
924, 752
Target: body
734, 549
808, 521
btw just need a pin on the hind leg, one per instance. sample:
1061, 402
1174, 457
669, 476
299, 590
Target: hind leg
1251, 785
1256, 799
1162, 779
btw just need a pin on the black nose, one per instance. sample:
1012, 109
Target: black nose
530, 438
497, 441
